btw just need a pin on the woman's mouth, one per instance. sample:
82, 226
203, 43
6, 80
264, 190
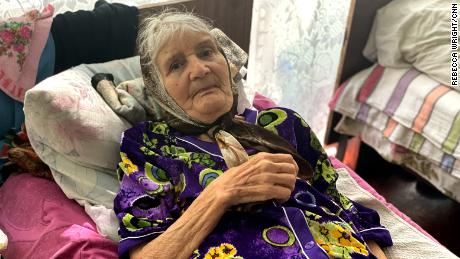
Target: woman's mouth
206, 90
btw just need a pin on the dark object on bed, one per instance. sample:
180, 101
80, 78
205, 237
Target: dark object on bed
99, 77
20, 157
108, 32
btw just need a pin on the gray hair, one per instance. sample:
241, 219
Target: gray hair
160, 28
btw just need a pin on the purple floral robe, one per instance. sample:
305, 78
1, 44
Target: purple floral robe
163, 171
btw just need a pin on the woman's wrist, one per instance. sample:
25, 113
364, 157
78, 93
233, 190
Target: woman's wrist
217, 194
189, 230
220, 194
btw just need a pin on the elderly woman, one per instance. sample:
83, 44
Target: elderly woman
207, 183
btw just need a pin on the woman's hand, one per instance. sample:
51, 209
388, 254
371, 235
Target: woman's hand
263, 177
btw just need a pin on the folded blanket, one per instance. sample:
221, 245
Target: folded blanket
121, 101
409, 98
22, 40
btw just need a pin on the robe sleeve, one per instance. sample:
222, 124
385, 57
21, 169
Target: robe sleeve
146, 204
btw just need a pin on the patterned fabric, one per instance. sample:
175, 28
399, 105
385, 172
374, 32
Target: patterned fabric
77, 135
409, 109
162, 171
22, 40
295, 59
425, 164
17, 155
12, 8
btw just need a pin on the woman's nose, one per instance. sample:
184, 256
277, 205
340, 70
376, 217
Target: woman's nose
198, 69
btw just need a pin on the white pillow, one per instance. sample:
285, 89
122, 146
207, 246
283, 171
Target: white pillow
77, 135
71, 117
409, 33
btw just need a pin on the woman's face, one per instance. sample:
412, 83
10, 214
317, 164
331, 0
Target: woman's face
195, 75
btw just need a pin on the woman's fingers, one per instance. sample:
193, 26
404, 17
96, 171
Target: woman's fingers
277, 157
273, 158
287, 168
283, 179
264, 177
263, 193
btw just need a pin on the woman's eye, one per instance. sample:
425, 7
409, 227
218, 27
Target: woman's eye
206, 53
175, 66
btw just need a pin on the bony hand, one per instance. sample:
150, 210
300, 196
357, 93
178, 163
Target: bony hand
263, 177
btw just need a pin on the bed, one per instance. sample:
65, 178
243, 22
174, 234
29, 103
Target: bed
402, 104
76, 133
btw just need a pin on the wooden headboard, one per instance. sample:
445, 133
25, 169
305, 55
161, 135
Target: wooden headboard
231, 16
359, 25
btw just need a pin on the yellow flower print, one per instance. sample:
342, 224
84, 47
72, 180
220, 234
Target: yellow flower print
196, 254
150, 143
328, 172
342, 236
336, 239
126, 165
214, 253
227, 249
323, 230
224, 251
344, 201
323, 245
148, 152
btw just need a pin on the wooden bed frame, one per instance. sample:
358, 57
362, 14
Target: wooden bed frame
361, 17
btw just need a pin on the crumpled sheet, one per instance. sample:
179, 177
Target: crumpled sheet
408, 241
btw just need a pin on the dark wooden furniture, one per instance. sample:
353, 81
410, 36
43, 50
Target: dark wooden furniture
232, 16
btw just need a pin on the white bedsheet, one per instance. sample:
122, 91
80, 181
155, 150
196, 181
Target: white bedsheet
408, 242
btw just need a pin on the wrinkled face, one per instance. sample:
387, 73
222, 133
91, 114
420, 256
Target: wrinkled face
195, 75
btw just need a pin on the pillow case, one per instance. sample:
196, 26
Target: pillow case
77, 135
413, 33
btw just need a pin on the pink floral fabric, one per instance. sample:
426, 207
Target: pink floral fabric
22, 40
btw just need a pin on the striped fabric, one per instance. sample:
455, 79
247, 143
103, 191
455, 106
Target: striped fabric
409, 109
419, 162
410, 98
